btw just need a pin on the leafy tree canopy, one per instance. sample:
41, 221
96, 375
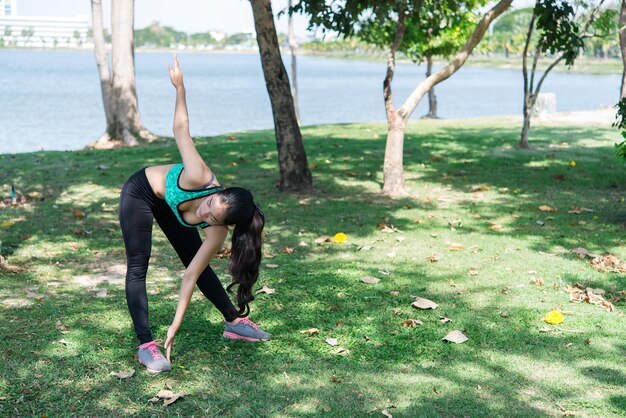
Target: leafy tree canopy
432, 27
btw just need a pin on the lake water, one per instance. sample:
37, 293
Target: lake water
51, 99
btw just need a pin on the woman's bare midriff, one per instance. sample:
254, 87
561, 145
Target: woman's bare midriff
156, 175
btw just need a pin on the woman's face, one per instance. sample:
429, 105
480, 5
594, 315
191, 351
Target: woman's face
212, 210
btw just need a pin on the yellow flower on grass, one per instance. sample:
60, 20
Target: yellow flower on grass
553, 317
572, 163
340, 237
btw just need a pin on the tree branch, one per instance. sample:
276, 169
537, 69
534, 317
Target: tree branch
525, 54
416, 96
538, 52
543, 77
391, 66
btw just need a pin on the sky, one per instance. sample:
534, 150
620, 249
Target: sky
190, 16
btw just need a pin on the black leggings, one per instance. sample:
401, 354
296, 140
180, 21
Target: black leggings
138, 206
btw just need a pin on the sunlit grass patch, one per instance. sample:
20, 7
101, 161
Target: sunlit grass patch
469, 236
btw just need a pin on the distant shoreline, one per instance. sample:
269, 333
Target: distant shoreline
584, 65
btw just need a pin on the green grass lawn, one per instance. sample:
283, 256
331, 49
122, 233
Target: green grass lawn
61, 341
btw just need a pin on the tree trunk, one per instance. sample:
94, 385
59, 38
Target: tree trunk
294, 171
432, 97
523, 142
102, 63
126, 123
622, 43
393, 166
293, 46
393, 170
397, 119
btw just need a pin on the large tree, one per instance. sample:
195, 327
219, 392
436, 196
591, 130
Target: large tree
561, 27
119, 94
387, 23
294, 171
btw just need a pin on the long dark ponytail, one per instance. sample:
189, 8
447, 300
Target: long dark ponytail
247, 240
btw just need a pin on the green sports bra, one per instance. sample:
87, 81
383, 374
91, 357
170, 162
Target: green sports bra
175, 195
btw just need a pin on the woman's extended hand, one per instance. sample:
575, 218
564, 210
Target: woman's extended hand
176, 74
169, 341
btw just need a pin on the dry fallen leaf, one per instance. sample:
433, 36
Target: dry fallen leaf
546, 208
323, 239
609, 264
370, 279
394, 293
288, 250
579, 294
167, 396
123, 375
386, 413
473, 272
456, 337
78, 213
271, 266
311, 332
340, 351
331, 341
496, 227
421, 303
169, 401
444, 319
578, 211
539, 281
433, 258
456, 247
387, 229
412, 323
481, 188
266, 290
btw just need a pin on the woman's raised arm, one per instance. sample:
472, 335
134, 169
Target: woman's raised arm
196, 171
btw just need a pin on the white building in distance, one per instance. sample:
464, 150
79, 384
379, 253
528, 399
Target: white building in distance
8, 8
39, 31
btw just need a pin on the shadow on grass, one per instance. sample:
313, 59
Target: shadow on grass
501, 371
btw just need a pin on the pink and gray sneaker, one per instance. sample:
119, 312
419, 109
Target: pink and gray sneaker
245, 330
150, 356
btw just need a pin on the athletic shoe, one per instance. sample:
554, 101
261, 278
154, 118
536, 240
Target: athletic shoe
245, 330
150, 356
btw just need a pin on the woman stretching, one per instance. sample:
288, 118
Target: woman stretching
181, 198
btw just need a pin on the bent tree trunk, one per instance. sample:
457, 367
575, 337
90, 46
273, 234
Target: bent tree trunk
102, 62
432, 97
294, 171
397, 119
126, 127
